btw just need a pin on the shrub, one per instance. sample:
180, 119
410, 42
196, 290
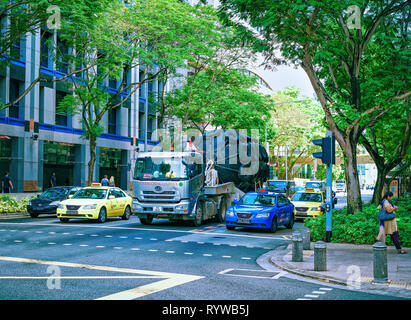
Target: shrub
362, 227
9, 205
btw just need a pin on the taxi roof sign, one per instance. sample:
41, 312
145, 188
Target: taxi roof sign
96, 184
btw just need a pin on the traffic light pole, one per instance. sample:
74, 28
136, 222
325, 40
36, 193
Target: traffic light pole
329, 198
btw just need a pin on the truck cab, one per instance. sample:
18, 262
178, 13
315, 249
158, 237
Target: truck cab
166, 184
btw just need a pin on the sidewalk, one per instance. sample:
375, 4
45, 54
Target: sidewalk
340, 259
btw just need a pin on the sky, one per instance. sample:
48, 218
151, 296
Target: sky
285, 76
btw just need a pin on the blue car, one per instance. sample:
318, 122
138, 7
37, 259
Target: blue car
261, 209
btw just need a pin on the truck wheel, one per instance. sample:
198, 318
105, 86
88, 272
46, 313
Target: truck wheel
147, 220
221, 212
198, 220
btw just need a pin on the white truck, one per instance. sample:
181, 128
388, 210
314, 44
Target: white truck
172, 185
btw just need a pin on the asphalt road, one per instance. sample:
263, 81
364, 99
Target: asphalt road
44, 259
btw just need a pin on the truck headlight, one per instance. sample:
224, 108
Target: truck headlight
182, 207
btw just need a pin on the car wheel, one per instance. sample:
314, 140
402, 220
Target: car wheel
198, 220
147, 220
64, 219
34, 215
102, 216
273, 227
230, 227
127, 213
291, 222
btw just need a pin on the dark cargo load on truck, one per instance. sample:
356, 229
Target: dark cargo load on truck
217, 146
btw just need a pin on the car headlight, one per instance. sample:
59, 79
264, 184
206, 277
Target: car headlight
263, 215
61, 206
229, 213
89, 206
54, 203
315, 209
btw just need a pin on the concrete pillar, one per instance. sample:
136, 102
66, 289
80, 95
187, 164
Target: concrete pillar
380, 262
320, 256
297, 253
306, 234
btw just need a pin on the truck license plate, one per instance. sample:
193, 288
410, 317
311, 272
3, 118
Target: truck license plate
243, 221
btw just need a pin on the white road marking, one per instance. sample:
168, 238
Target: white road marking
226, 257
319, 292
100, 246
188, 253
51, 243
118, 248
18, 241
310, 296
67, 244
171, 279
170, 251
207, 255
246, 258
83, 245
149, 229
153, 250
326, 289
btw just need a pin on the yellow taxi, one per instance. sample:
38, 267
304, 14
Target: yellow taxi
308, 203
96, 202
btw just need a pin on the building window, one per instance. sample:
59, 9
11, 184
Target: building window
61, 113
62, 52
46, 44
112, 121
14, 110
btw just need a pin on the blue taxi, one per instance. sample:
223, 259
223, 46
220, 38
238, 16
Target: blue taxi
261, 209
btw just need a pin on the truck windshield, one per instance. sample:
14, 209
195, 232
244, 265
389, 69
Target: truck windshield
160, 169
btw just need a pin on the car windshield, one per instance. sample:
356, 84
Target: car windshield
281, 185
309, 197
91, 194
257, 199
313, 185
54, 193
160, 169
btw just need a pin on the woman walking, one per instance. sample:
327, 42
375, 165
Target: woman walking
111, 181
389, 226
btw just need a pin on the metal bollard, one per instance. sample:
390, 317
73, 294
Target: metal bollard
320, 256
380, 262
306, 234
297, 255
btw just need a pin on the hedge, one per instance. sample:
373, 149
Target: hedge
362, 227
9, 205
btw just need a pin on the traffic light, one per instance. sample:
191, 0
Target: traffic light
327, 155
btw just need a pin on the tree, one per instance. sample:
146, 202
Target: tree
299, 118
132, 36
72, 20
336, 55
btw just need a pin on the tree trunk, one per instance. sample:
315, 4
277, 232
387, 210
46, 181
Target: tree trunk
354, 203
91, 163
379, 185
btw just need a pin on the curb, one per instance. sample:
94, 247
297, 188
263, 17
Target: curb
310, 275
14, 215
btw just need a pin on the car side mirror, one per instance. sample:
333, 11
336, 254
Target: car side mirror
111, 197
